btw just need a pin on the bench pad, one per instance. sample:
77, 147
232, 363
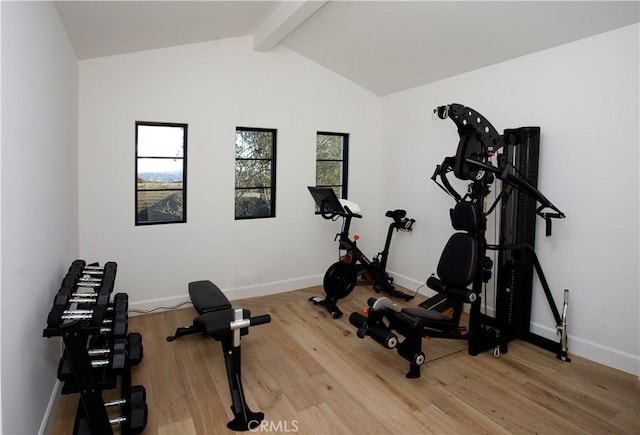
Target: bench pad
207, 297
431, 319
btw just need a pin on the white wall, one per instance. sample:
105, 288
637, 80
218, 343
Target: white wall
39, 202
214, 87
584, 96
587, 108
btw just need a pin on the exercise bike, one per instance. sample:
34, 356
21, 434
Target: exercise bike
341, 277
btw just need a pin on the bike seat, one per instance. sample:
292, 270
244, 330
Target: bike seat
396, 214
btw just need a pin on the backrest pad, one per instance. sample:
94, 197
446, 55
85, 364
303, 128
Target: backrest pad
466, 216
457, 265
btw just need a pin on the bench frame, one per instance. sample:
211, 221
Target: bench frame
220, 321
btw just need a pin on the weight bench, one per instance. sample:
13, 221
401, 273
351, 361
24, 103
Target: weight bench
226, 324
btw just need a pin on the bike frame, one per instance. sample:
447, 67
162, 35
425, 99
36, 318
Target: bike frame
378, 266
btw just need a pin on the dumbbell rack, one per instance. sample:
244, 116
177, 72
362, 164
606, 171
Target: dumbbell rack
98, 352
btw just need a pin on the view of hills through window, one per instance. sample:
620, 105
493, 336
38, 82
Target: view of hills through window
160, 173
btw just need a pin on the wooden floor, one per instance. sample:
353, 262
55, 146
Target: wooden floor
311, 374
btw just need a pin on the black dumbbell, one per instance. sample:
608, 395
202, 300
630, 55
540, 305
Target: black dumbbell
114, 358
135, 348
120, 314
68, 291
135, 411
78, 263
109, 269
71, 279
67, 295
115, 327
104, 285
79, 268
59, 314
125, 352
76, 267
99, 278
96, 315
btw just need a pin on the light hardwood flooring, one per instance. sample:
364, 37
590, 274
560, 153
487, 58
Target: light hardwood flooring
310, 374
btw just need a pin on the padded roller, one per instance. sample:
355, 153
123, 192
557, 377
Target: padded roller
435, 284
404, 323
414, 356
378, 333
214, 322
383, 336
462, 294
358, 320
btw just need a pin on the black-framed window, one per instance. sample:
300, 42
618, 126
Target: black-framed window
161, 173
332, 161
255, 186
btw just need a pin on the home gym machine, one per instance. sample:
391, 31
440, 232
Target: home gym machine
340, 278
464, 263
226, 324
97, 350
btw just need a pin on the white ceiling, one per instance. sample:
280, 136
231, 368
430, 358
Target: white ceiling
384, 46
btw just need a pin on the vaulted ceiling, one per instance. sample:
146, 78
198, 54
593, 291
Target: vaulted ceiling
384, 46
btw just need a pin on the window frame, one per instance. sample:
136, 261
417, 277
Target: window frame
185, 128
272, 160
345, 162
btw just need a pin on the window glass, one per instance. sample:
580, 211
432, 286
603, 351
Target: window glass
332, 151
160, 173
255, 173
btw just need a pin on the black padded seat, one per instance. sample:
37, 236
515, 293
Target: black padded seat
396, 214
431, 318
207, 297
423, 314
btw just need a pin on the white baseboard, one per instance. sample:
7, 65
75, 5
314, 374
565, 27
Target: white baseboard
577, 346
412, 284
50, 412
273, 287
169, 303
593, 351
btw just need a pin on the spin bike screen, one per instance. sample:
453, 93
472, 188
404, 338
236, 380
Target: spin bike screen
326, 200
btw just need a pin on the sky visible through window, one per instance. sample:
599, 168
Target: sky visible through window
160, 141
